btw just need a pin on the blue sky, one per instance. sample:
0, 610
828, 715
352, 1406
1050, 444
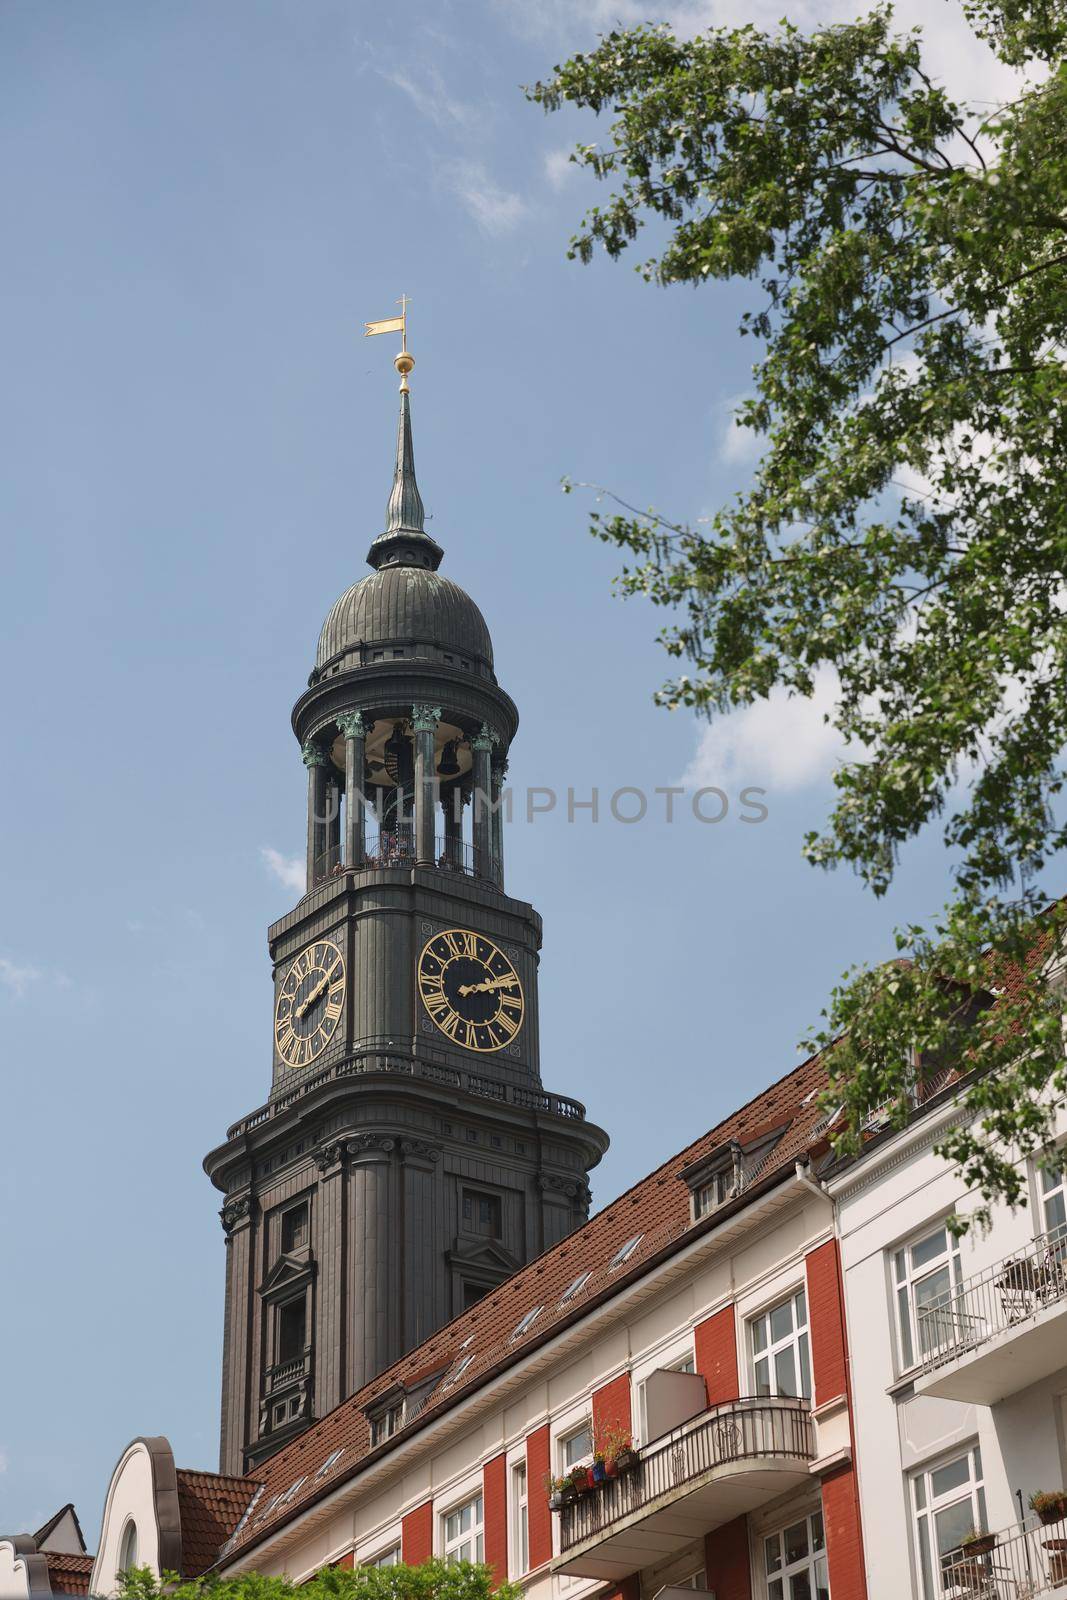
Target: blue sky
202, 204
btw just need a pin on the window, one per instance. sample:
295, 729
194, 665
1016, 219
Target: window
574, 1288
795, 1561
386, 1423
521, 1518
294, 1228
686, 1363
780, 1356
699, 1580
481, 1214
527, 1322
128, 1547
291, 1330
387, 1558
715, 1192
463, 1532
473, 1292
1053, 1201
949, 1501
457, 1373
331, 1461
924, 1274
625, 1252
577, 1447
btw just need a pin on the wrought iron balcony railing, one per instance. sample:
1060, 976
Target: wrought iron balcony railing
756, 1430
398, 850
1020, 1563
1006, 1295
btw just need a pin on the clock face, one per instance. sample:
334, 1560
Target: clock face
309, 1003
470, 989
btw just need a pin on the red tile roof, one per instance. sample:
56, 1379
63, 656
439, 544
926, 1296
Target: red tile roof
210, 1506
657, 1208
68, 1574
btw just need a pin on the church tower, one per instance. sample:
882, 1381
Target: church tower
408, 1158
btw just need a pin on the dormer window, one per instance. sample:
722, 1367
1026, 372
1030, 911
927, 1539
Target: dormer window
386, 1419
714, 1179
624, 1252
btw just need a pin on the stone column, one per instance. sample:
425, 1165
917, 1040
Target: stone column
500, 767
333, 818
315, 759
424, 720
354, 728
482, 745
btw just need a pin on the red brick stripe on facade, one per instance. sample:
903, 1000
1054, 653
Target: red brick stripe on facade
828, 1359
348, 1560
830, 1373
727, 1563
844, 1543
716, 1355
538, 1465
416, 1535
611, 1411
495, 1514
628, 1589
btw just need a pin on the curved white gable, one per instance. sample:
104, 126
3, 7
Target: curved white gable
133, 1494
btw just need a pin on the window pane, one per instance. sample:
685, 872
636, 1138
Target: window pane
781, 1322
772, 1554
822, 1582
774, 1589
805, 1367
816, 1530
785, 1376
920, 1492
928, 1250
953, 1475
952, 1523
907, 1352
900, 1266
978, 1462
1050, 1180
796, 1542
929, 1593
1055, 1212
759, 1335
800, 1306
763, 1378
800, 1587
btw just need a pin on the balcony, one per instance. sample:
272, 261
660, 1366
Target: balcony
1024, 1562
398, 850
1000, 1331
717, 1466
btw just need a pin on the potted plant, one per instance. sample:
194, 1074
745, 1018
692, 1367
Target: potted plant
599, 1469
977, 1543
1057, 1560
554, 1491
616, 1449
1050, 1505
582, 1479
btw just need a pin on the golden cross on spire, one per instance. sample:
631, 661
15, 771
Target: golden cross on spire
402, 362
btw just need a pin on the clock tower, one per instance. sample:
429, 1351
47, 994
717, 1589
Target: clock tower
408, 1158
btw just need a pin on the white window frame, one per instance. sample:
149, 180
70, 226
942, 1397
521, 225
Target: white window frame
385, 1423
519, 1485
925, 1506
714, 1191
472, 1538
388, 1537
583, 1424
1051, 1186
809, 1564
388, 1557
906, 1278
798, 1339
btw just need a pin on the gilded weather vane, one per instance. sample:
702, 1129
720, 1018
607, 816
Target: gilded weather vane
403, 362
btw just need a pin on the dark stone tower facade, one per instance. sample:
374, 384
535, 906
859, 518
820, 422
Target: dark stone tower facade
408, 1158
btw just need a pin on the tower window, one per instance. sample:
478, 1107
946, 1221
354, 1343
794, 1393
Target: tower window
472, 1293
481, 1214
295, 1228
291, 1329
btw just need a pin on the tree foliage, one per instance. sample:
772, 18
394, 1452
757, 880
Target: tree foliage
433, 1580
905, 530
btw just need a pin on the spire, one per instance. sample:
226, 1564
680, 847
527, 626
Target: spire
405, 542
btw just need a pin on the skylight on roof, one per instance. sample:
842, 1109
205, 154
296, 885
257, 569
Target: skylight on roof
625, 1251
527, 1322
333, 1457
293, 1487
454, 1377
572, 1288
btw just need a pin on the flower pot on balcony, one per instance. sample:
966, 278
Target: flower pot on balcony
980, 1546
1049, 1507
555, 1500
611, 1468
1057, 1560
599, 1473
626, 1460
581, 1480
568, 1494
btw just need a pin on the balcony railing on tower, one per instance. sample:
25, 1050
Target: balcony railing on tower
398, 850
728, 1460
1000, 1330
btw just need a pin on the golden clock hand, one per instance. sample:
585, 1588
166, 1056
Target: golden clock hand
487, 987
306, 1006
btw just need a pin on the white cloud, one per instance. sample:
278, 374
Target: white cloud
559, 168
737, 444
781, 743
289, 870
425, 87
496, 211
17, 979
